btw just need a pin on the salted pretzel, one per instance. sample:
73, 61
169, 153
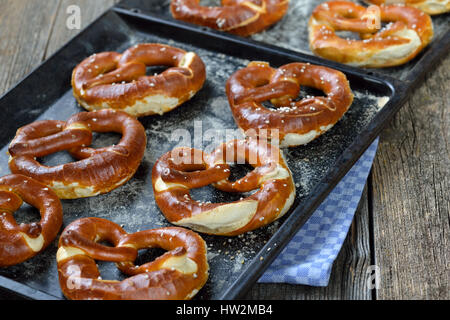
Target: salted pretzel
20, 242
408, 31
241, 17
182, 169
290, 123
178, 274
97, 170
119, 81
429, 6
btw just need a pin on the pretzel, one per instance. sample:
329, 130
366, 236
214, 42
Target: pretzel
291, 123
241, 17
177, 274
98, 170
176, 172
428, 6
119, 81
408, 32
20, 242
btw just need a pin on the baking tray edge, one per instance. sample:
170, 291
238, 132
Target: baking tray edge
304, 210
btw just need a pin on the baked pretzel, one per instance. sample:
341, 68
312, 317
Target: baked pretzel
176, 172
119, 81
98, 170
178, 274
408, 31
292, 123
429, 6
20, 242
241, 17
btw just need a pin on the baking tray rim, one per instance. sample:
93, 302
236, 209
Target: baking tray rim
247, 277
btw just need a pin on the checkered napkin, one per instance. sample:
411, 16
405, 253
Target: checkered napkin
309, 257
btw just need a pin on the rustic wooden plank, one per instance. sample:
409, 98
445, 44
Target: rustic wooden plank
24, 32
348, 277
411, 195
89, 11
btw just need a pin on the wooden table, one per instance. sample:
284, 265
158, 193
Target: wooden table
402, 224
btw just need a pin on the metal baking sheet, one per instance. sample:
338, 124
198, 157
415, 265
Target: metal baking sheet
235, 262
291, 33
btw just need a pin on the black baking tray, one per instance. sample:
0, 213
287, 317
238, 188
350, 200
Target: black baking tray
235, 262
291, 33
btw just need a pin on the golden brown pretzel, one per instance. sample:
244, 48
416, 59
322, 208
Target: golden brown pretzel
428, 6
119, 81
408, 32
19, 242
176, 172
292, 123
177, 274
98, 170
241, 17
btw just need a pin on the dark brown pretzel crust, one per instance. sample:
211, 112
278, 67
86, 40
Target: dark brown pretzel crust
177, 274
428, 6
241, 17
411, 31
19, 242
172, 182
119, 81
98, 170
292, 122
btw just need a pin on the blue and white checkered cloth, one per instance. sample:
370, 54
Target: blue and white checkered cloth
309, 257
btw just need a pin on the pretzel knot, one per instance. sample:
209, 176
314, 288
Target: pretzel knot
176, 172
20, 242
119, 81
241, 17
97, 170
428, 6
291, 122
408, 31
178, 274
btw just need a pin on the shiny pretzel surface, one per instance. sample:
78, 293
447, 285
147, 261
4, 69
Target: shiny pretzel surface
20, 242
241, 17
407, 31
178, 274
97, 170
182, 169
291, 122
431, 7
119, 81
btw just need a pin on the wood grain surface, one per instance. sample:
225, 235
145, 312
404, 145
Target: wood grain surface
402, 223
410, 200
